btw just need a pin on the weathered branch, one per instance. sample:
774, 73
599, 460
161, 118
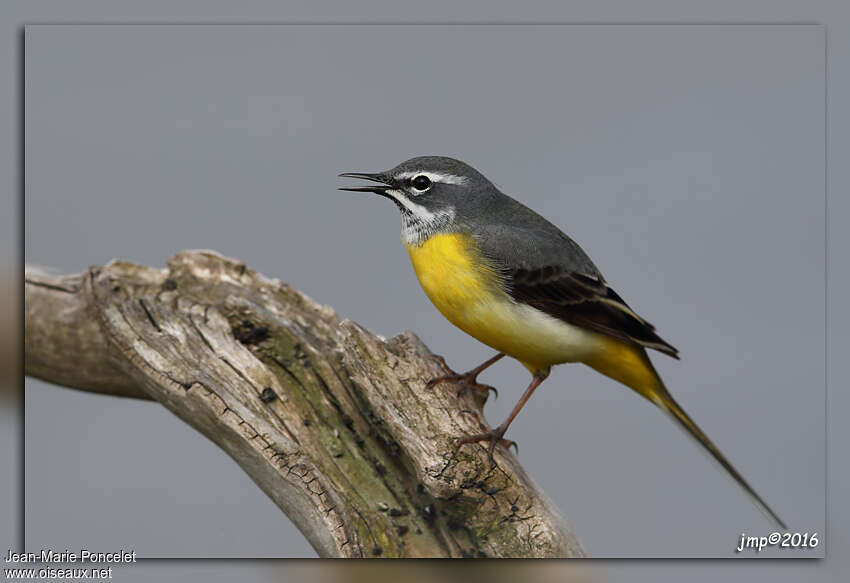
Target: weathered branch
331, 421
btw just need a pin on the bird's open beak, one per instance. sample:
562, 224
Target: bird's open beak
381, 188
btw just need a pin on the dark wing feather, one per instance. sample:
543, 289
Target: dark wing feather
543, 267
584, 301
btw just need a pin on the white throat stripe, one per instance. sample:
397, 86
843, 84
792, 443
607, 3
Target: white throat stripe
440, 177
417, 222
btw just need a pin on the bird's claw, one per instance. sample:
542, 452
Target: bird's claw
494, 437
443, 364
465, 381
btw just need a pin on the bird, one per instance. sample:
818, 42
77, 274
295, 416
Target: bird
514, 281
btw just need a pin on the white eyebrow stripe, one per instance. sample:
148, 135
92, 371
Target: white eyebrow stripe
436, 177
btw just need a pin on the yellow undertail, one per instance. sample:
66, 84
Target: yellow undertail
630, 365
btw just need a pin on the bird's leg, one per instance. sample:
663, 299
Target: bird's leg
495, 436
467, 380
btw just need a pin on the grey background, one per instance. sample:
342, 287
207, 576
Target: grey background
688, 161
833, 13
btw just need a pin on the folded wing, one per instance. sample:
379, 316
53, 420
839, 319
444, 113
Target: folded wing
582, 300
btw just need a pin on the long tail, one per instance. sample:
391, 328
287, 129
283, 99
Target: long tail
630, 365
667, 404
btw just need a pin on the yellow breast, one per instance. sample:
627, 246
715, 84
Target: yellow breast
452, 273
466, 290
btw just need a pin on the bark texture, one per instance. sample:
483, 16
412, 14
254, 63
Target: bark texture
331, 421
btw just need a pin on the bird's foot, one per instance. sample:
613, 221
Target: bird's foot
493, 437
464, 381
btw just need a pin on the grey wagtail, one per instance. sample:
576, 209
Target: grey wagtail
511, 279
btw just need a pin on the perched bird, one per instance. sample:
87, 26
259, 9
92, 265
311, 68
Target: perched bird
511, 279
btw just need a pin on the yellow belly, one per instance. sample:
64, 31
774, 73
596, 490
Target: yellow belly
466, 290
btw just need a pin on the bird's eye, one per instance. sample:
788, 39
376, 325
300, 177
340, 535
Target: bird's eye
421, 183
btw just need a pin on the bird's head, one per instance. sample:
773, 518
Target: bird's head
428, 190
